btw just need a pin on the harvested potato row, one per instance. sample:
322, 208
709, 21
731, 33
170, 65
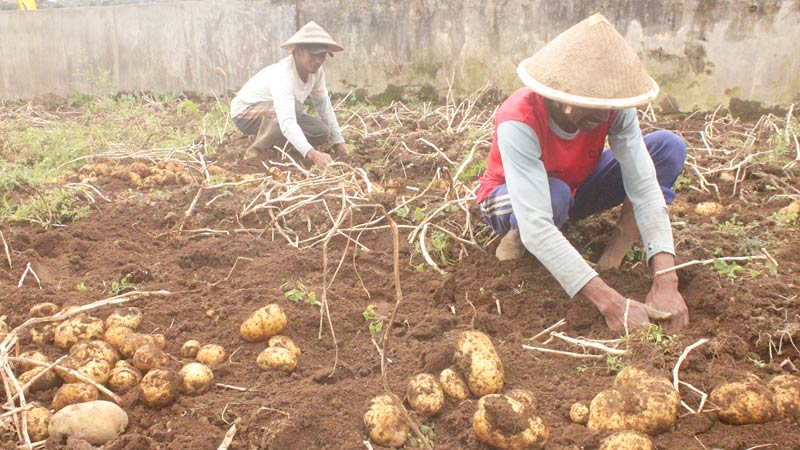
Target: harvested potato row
477, 359
637, 401
744, 402
424, 394
263, 323
384, 423
507, 424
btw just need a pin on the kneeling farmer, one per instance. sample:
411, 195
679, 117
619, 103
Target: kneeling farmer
270, 105
547, 164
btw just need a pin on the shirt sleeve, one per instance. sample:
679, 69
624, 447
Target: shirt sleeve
284, 103
322, 103
529, 189
641, 184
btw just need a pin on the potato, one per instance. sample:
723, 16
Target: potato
476, 358
284, 342
211, 354
43, 335
384, 423
627, 440
77, 328
708, 209
579, 413
524, 396
34, 355
276, 358
68, 362
160, 387
263, 323
453, 384
424, 394
197, 378
744, 403
637, 401
98, 370
38, 421
95, 422
507, 424
149, 357
72, 393
115, 336
48, 380
190, 348
95, 350
124, 379
135, 340
130, 317
786, 395
792, 208
43, 310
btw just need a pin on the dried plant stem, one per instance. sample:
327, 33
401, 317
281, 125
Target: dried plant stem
677, 368
707, 261
561, 352
547, 330
226, 442
590, 344
8, 252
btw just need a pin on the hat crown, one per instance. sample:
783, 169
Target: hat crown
311, 33
590, 65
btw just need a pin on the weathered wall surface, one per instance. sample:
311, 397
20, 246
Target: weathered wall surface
702, 52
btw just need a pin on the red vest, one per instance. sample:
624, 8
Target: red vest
569, 160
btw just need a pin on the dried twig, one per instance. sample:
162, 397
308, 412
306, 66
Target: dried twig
226, 442
707, 261
677, 368
8, 252
561, 352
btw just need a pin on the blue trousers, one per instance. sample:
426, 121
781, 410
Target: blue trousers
602, 189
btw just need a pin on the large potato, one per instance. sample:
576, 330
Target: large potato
743, 403
38, 421
384, 423
43, 310
115, 336
197, 378
627, 440
133, 341
130, 317
77, 328
72, 393
453, 384
211, 354
507, 424
123, 379
95, 422
95, 350
284, 342
276, 358
263, 323
160, 387
478, 361
637, 401
424, 394
149, 357
786, 395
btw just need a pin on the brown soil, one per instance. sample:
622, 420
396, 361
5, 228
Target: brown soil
312, 408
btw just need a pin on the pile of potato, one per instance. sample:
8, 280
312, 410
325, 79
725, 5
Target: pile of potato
265, 324
140, 175
477, 371
637, 401
750, 401
111, 353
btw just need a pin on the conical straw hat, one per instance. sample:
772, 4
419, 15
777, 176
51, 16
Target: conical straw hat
311, 33
590, 65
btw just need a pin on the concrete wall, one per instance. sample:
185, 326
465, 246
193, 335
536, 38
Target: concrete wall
702, 52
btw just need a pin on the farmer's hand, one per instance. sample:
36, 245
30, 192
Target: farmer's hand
319, 158
664, 294
616, 308
341, 148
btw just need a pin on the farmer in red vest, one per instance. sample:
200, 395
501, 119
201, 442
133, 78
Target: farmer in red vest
547, 164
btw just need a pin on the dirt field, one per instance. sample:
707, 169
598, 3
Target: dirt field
223, 251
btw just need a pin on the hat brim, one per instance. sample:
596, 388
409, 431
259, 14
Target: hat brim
584, 102
290, 45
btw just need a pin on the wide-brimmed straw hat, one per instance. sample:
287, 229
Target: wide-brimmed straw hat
589, 65
311, 34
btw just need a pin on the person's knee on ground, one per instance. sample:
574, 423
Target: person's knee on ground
268, 135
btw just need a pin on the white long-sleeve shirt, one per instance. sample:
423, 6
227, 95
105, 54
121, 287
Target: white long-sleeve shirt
529, 190
280, 84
